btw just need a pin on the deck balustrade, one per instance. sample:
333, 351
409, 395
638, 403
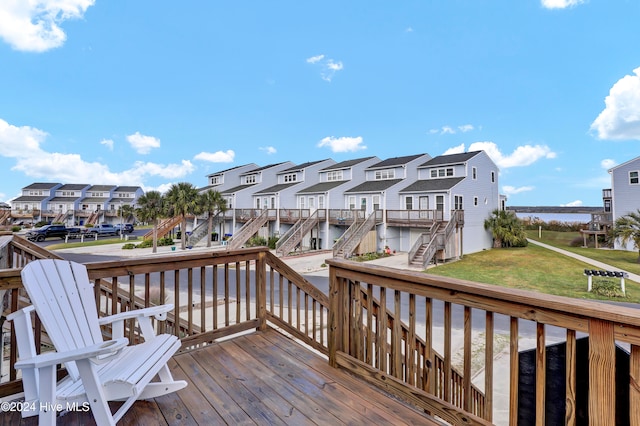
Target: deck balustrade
395, 329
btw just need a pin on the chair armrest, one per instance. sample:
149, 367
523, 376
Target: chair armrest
92, 351
23, 311
157, 311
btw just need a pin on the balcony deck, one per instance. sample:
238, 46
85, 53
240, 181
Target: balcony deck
259, 378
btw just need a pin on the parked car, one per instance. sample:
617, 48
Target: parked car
127, 228
51, 231
102, 230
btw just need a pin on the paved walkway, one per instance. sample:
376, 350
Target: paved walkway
599, 265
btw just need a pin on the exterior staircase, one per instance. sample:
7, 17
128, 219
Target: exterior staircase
248, 229
4, 216
294, 235
164, 227
429, 243
93, 219
200, 231
354, 235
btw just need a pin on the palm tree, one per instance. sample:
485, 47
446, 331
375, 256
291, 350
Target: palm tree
627, 228
182, 200
506, 228
151, 207
126, 211
213, 204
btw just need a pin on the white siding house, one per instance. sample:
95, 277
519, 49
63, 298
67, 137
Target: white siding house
625, 193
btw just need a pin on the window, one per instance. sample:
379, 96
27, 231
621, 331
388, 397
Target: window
334, 175
250, 179
257, 203
474, 173
321, 201
312, 203
229, 202
493, 177
215, 180
363, 203
385, 174
457, 202
475, 201
352, 202
376, 202
408, 202
291, 177
633, 178
607, 206
273, 202
444, 172
302, 202
440, 202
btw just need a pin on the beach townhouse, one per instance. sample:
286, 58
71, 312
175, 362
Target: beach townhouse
452, 193
624, 195
373, 197
34, 199
226, 179
326, 199
94, 204
61, 208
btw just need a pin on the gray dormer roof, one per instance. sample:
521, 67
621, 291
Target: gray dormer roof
345, 164
73, 187
237, 188
432, 185
127, 188
102, 188
395, 161
41, 185
230, 169
250, 172
450, 159
301, 166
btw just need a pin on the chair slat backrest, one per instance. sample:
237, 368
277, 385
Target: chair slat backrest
64, 299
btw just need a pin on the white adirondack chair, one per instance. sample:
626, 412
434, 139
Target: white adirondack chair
99, 371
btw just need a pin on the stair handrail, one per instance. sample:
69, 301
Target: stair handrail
346, 235
248, 229
424, 238
360, 232
287, 235
296, 235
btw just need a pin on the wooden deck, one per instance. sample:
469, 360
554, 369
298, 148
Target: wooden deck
260, 378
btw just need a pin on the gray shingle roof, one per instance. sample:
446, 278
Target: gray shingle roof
277, 188
450, 159
102, 187
302, 166
321, 187
345, 164
262, 168
374, 185
127, 188
64, 199
73, 187
431, 185
237, 188
41, 185
232, 168
395, 161
30, 198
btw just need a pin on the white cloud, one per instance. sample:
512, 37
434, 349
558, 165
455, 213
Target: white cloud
454, 150
268, 149
314, 59
511, 190
449, 130
34, 25
576, 203
408, 30
343, 144
328, 66
143, 144
216, 157
620, 118
607, 163
560, 4
108, 143
24, 145
524, 155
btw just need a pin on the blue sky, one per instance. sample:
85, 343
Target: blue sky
151, 93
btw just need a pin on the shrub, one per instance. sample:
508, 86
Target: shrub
576, 242
128, 246
272, 242
608, 288
256, 241
15, 228
41, 224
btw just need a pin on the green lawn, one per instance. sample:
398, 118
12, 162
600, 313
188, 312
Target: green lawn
531, 268
626, 260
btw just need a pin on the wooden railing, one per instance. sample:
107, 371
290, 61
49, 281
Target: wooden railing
350, 242
413, 217
296, 233
384, 325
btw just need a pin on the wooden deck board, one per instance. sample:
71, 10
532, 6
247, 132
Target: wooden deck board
260, 378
